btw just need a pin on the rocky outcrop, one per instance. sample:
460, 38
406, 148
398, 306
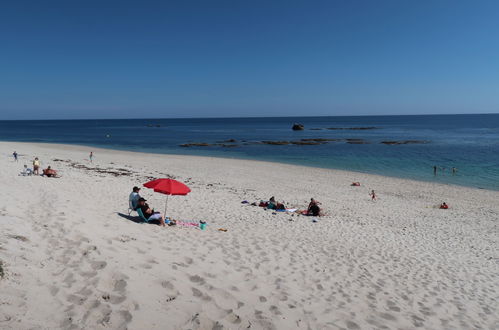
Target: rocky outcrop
405, 142
320, 140
276, 143
195, 144
298, 127
357, 141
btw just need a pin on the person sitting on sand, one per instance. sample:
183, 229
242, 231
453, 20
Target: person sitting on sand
313, 208
273, 205
26, 171
355, 184
133, 198
444, 206
49, 172
149, 213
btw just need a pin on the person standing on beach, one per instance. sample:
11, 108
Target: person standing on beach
373, 195
91, 156
36, 166
435, 170
15, 155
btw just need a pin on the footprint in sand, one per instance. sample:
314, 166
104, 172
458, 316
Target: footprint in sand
197, 279
120, 285
96, 265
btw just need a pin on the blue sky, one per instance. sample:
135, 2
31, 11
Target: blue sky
128, 59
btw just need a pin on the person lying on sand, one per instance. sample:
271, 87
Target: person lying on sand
355, 184
444, 206
149, 213
313, 208
49, 172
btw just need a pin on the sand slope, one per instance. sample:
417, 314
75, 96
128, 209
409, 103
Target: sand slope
74, 259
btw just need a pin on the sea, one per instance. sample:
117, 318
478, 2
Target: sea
467, 143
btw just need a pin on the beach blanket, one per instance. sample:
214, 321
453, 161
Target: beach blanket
286, 210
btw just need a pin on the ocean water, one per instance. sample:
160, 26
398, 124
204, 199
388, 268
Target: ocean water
468, 142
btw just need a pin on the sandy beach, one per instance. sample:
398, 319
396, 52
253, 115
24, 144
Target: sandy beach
72, 258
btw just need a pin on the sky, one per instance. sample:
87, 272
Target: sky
166, 59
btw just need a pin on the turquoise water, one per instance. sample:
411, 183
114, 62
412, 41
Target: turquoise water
467, 142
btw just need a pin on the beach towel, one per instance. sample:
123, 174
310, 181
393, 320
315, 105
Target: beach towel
286, 210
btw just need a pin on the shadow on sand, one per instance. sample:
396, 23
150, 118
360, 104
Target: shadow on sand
136, 219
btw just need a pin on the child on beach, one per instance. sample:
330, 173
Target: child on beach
373, 195
36, 166
91, 156
26, 171
444, 206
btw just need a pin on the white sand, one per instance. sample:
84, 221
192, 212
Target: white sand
398, 263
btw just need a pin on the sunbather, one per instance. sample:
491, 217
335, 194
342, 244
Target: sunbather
49, 172
149, 213
273, 205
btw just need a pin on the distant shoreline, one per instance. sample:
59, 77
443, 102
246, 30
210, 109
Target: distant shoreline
88, 148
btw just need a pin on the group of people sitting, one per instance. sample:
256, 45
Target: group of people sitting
48, 172
313, 207
272, 204
138, 203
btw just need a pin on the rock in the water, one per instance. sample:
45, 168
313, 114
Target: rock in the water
306, 143
277, 143
404, 142
357, 141
298, 127
319, 140
202, 144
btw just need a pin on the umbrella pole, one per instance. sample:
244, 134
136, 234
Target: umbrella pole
166, 202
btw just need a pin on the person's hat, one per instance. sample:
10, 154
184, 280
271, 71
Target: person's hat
136, 188
142, 199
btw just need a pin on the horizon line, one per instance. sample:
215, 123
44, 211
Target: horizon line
250, 117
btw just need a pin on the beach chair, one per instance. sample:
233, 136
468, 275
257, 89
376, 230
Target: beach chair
141, 215
130, 207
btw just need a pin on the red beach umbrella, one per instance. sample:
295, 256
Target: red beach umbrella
168, 187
